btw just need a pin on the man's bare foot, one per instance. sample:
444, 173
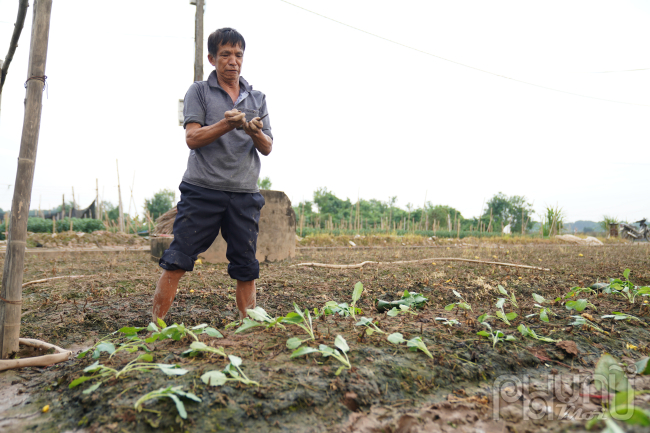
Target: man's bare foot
245, 297
165, 293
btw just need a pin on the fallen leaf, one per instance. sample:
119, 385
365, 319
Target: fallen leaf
568, 346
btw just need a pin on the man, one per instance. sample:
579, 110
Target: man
225, 132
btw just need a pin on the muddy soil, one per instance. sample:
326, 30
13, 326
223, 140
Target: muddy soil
389, 388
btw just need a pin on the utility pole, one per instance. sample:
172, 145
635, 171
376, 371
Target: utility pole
198, 41
12, 277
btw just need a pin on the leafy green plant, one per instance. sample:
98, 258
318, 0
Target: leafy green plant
408, 299
261, 318
104, 373
413, 344
327, 351
197, 347
495, 336
624, 287
527, 332
543, 312
218, 378
371, 327
462, 304
620, 316
301, 319
173, 392
511, 296
579, 305
505, 317
574, 292
176, 331
343, 309
403, 310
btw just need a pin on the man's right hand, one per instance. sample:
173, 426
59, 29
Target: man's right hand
235, 118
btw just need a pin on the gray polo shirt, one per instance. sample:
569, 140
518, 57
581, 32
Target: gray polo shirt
231, 162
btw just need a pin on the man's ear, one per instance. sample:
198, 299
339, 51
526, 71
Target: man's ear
211, 60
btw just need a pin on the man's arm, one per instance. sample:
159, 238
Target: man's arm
197, 136
263, 143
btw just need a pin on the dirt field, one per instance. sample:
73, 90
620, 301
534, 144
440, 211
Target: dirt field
388, 388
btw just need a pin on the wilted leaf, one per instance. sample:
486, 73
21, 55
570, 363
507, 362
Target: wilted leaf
568, 346
293, 343
340, 342
396, 338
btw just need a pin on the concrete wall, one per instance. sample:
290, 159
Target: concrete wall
276, 239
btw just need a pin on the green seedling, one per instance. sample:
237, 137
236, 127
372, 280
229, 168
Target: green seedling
176, 331
172, 392
107, 344
495, 336
462, 304
371, 327
544, 312
510, 296
579, 305
620, 316
259, 317
409, 299
326, 351
527, 332
643, 366
301, 319
583, 322
574, 292
624, 287
413, 344
505, 317
197, 347
403, 310
448, 322
331, 307
218, 378
104, 373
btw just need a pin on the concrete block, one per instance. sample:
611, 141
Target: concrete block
276, 240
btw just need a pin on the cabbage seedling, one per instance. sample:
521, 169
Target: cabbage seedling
462, 304
176, 331
218, 378
371, 328
170, 392
326, 351
448, 322
579, 305
413, 344
260, 317
301, 319
511, 296
403, 309
544, 312
527, 332
506, 317
495, 336
196, 347
581, 321
620, 316
410, 299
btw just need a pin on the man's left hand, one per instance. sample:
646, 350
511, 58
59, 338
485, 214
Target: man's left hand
253, 127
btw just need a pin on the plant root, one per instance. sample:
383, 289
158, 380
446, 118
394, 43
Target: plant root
60, 355
439, 259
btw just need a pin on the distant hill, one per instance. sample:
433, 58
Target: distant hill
583, 226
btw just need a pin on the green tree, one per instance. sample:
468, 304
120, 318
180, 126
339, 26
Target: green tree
264, 183
161, 202
504, 210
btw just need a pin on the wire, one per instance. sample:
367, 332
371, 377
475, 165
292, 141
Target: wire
458, 63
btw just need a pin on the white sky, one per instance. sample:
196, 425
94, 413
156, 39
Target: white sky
349, 111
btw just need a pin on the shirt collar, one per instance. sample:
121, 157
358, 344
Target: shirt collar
243, 84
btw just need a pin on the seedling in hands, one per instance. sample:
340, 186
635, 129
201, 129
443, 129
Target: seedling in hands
495, 336
403, 310
218, 378
462, 304
371, 328
527, 332
506, 317
510, 296
326, 351
413, 344
170, 392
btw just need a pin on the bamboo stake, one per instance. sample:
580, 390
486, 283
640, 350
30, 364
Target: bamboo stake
437, 259
12, 276
120, 218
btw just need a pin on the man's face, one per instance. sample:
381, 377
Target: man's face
228, 61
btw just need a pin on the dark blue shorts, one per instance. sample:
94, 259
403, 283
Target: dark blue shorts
201, 213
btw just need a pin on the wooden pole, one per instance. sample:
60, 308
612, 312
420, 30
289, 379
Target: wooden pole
12, 277
96, 216
120, 218
198, 41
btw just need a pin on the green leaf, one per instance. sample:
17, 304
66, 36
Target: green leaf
609, 375
510, 338
500, 302
524, 330
151, 339
369, 331
464, 306
578, 305
626, 274
187, 395
92, 389
93, 367
303, 351
326, 350
152, 327
396, 338
130, 330
340, 342
538, 298
294, 343
501, 315
457, 294
637, 417
356, 293
106, 347
84, 353
484, 334
393, 311
293, 318
145, 357
364, 321
214, 378
172, 370
235, 360
259, 314
212, 332
543, 316
511, 315
248, 324
180, 407
79, 381
624, 398
611, 426
502, 290
643, 366
161, 323
417, 342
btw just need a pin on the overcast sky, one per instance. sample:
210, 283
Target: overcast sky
350, 111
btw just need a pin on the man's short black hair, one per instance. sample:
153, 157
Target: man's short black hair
225, 36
